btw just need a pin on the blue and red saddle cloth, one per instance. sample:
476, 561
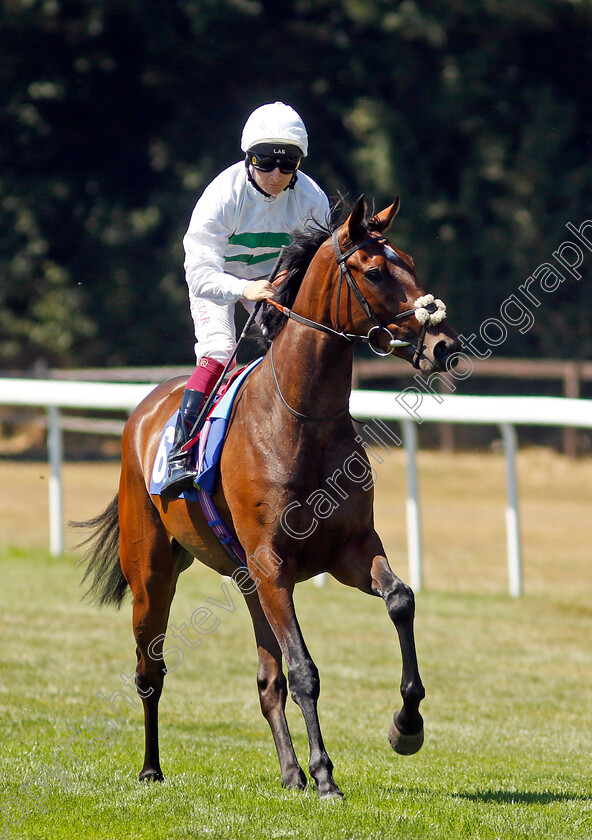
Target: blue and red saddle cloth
207, 453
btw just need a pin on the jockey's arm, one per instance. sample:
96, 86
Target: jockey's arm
205, 245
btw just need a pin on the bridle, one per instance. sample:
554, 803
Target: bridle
428, 310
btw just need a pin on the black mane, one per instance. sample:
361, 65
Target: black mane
297, 257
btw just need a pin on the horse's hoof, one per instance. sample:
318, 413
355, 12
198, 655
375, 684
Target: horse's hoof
295, 780
333, 795
405, 744
151, 776
328, 791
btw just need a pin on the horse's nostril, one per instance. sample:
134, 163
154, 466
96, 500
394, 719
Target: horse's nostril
442, 351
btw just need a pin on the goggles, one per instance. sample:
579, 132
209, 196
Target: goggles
267, 163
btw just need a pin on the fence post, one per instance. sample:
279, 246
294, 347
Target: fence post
571, 390
512, 518
56, 506
412, 506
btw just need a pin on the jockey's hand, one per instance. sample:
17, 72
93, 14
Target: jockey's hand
259, 290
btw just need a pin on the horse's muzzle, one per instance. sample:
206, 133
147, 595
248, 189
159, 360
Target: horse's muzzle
440, 352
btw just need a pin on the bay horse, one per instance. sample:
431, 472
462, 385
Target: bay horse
290, 432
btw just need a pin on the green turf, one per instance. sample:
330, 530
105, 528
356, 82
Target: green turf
508, 737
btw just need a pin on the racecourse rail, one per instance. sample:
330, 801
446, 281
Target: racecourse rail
409, 407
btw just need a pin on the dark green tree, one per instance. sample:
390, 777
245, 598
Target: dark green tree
115, 116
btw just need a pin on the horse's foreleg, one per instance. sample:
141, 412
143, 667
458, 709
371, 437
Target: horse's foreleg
406, 731
273, 690
303, 677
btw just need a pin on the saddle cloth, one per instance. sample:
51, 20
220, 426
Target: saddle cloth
210, 443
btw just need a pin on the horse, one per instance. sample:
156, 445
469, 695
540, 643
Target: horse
290, 435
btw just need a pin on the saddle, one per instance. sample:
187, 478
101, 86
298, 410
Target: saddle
207, 452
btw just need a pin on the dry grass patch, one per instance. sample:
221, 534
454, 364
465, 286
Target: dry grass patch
463, 498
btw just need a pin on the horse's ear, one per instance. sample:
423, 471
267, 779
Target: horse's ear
356, 219
382, 221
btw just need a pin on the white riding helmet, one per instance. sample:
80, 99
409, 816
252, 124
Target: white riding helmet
275, 123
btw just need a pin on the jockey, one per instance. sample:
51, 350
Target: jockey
234, 237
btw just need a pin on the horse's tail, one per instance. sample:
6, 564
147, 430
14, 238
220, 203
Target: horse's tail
101, 557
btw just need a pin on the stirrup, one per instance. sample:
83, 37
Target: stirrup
178, 479
180, 469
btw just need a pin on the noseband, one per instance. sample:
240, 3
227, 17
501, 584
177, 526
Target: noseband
428, 310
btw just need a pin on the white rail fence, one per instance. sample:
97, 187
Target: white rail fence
409, 408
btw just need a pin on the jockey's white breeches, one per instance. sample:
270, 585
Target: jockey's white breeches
215, 331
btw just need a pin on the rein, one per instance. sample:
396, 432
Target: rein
426, 309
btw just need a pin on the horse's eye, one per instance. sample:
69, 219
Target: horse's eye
374, 275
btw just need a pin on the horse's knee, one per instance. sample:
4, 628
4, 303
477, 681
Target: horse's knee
304, 681
272, 692
400, 602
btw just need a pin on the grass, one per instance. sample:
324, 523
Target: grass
508, 739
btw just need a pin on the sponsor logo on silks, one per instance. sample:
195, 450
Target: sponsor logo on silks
279, 151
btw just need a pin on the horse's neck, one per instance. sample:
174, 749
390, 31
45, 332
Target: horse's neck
313, 369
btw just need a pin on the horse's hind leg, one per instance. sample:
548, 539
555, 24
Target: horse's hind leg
150, 567
275, 594
273, 691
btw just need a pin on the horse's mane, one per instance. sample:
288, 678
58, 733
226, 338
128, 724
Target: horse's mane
296, 258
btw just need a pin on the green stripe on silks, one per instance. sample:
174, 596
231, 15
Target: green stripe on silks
253, 259
266, 239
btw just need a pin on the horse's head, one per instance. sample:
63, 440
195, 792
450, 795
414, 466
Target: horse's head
382, 298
